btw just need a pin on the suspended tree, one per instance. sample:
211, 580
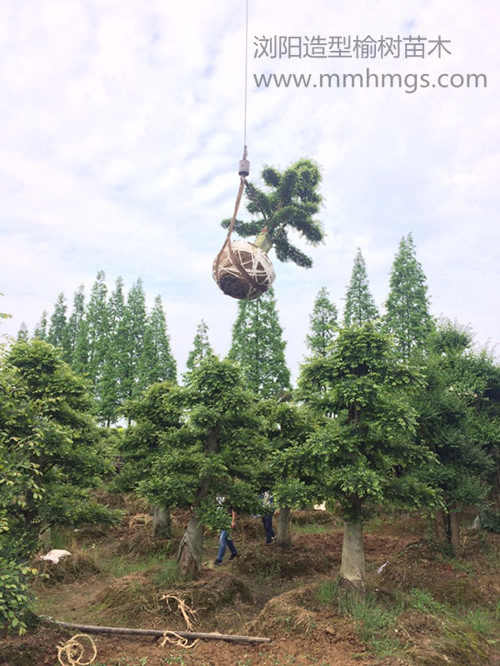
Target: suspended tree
285, 207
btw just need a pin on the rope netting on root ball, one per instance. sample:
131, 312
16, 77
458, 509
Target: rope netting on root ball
241, 269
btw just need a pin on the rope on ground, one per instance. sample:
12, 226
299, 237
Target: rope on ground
71, 653
181, 641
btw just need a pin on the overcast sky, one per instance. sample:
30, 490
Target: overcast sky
121, 128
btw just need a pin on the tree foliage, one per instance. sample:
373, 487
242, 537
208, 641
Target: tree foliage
460, 421
283, 209
208, 451
359, 303
258, 347
112, 339
363, 449
323, 324
407, 315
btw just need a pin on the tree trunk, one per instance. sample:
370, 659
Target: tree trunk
352, 568
455, 533
440, 527
282, 523
161, 522
190, 549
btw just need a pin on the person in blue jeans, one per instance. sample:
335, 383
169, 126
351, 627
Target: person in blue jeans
267, 502
225, 541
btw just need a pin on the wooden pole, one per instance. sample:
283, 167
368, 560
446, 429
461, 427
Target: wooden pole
158, 633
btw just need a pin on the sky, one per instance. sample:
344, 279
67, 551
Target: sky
122, 123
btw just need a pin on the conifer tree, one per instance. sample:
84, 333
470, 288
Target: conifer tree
40, 332
58, 334
323, 324
96, 317
258, 347
201, 351
157, 363
134, 327
75, 322
407, 315
23, 335
112, 385
359, 303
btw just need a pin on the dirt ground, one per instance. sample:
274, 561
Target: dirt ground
265, 593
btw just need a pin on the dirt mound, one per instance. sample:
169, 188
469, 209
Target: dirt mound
69, 569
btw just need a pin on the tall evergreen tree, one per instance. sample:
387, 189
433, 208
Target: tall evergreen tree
323, 324
201, 351
258, 347
96, 317
134, 327
157, 363
114, 362
75, 321
23, 335
58, 334
40, 332
359, 303
407, 315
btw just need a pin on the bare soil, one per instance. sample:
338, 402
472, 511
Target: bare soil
265, 592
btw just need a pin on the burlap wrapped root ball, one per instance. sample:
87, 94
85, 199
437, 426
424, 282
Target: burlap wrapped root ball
242, 270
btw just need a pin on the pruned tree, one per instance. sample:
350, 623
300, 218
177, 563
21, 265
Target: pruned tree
363, 449
459, 420
284, 208
210, 453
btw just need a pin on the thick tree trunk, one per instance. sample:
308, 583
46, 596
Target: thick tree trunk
161, 522
441, 527
352, 568
455, 533
282, 524
190, 549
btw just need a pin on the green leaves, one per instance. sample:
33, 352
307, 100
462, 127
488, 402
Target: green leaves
290, 200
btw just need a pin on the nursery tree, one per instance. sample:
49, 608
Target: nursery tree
459, 421
363, 449
211, 452
284, 466
323, 324
62, 441
359, 304
285, 207
407, 315
154, 416
258, 347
